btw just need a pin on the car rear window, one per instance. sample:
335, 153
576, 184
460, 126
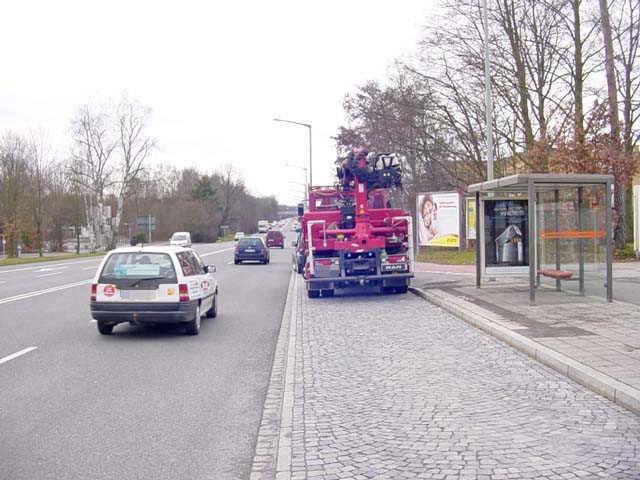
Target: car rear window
250, 242
136, 265
178, 237
274, 234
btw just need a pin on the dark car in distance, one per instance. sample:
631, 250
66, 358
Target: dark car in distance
275, 238
251, 249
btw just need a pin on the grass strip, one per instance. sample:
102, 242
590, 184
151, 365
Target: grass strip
52, 258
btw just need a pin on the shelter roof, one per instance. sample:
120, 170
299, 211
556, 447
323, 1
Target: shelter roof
542, 181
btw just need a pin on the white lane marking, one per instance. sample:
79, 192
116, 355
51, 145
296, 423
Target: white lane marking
48, 269
3, 281
17, 354
92, 321
229, 263
218, 251
48, 274
24, 296
90, 268
97, 259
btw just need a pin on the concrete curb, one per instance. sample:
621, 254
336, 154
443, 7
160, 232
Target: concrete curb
616, 391
272, 442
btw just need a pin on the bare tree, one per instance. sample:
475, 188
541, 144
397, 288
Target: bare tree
626, 35
614, 121
134, 147
93, 145
40, 161
229, 187
14, 176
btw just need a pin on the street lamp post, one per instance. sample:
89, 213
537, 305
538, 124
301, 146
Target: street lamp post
487, 94
310, 147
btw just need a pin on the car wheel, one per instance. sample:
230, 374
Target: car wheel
213, 311
313, 293
236, 262
193, 327
105, 328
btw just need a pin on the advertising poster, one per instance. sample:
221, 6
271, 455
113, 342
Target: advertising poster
471, 218
438, 219
506, 230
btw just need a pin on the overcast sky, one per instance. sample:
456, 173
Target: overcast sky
215, 74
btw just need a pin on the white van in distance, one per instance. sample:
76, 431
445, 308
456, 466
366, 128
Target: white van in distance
263, 226
180, 239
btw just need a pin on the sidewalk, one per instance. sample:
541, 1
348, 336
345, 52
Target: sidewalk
392, 387
591, 341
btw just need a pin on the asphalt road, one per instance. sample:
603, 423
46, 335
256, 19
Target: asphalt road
145, 402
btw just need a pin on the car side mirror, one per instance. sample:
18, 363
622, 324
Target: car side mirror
211, 269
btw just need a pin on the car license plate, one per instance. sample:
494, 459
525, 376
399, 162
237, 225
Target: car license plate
138, 295
250, 250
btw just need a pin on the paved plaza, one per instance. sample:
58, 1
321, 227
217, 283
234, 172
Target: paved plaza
393, 387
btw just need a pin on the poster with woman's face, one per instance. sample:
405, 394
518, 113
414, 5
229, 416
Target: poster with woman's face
439, 219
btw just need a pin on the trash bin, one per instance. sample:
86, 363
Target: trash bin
509, 246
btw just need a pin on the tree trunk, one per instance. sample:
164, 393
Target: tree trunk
613, 119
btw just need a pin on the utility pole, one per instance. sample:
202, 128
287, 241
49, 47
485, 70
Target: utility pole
487, 93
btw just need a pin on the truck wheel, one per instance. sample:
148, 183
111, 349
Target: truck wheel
105, 328
327, 293
313, 293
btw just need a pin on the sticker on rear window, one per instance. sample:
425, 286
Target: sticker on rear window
109, 290
137, 270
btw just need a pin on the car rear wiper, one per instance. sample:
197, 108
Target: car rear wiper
146, 278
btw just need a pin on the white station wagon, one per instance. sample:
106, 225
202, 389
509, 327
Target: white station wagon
153, 285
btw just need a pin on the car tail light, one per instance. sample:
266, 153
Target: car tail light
263, 250
183, 290
237, 250
94, 292
323, 261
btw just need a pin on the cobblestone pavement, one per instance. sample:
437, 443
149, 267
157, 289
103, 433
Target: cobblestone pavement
391, 387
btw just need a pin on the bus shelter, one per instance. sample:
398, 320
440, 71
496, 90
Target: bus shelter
554, 228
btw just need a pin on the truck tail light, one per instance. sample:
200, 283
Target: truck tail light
183, 290
323, 261
94, 292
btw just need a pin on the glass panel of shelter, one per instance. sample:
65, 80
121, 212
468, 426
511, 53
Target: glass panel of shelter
571, 225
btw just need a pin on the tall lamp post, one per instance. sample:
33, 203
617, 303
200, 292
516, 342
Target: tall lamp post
487, 93
310, 149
